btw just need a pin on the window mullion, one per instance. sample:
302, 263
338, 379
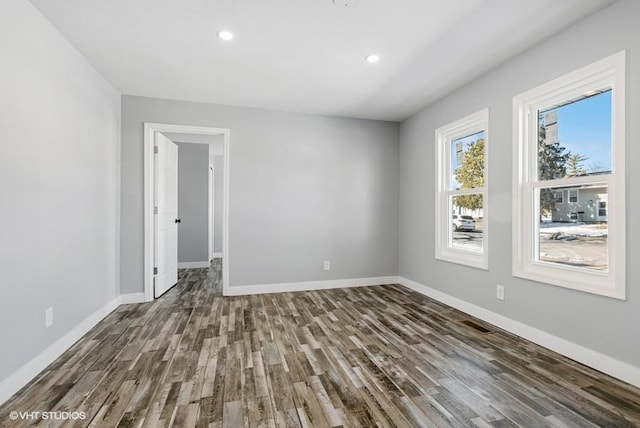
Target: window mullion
470, 191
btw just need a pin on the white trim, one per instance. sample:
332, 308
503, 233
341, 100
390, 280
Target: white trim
217, 256
118, 206
129, 298
605, 363
149, 132
210, 208
225, 213
444, 136
30, 370
284, 287
192, 265
608, 73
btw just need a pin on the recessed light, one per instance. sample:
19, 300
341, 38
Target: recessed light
225, 35
372, 58
344, 3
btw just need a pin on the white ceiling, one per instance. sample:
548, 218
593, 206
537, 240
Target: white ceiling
306, 55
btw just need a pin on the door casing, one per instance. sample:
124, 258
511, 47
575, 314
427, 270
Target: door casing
150, 129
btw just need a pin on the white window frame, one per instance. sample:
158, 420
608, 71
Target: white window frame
561, 199
466, 126
605, 74
577, 196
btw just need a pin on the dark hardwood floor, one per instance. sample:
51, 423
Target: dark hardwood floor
371, 356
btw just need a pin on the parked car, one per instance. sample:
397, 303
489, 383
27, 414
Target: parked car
463, 222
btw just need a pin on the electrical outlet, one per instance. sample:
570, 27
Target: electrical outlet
500, 292
327, 265
48, 317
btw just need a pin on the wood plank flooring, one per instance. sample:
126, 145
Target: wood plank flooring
372, 356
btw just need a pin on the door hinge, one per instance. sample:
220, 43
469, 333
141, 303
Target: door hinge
155, 210
155, 150
155, 270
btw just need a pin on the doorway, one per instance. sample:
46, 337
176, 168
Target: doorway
152, 190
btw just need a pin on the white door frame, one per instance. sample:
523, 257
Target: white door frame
150, 130
211, 213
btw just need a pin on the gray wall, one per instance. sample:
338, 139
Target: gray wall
193, 202
218, 201
59, 169
603, 324
303, 189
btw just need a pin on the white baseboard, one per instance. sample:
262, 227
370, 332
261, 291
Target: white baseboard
129, 298
589, 357
242, 290
192, 265
217, 256
26, 373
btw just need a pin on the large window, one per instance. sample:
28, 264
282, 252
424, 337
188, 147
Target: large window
461, 205
569, 187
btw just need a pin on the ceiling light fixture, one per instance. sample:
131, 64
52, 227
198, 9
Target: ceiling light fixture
225, 35
344, 3
373, 58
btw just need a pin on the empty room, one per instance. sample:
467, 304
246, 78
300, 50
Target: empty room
319, 213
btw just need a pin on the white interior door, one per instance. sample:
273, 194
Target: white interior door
166, 220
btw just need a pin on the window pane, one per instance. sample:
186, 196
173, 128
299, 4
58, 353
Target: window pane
574, 139
558, 197
467, 162
573, 195
467, 222
574, 233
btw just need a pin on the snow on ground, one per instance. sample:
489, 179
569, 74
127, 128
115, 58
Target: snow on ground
575, 229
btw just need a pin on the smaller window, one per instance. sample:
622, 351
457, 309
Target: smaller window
573, 195
602, 209
558, 197
461, 205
